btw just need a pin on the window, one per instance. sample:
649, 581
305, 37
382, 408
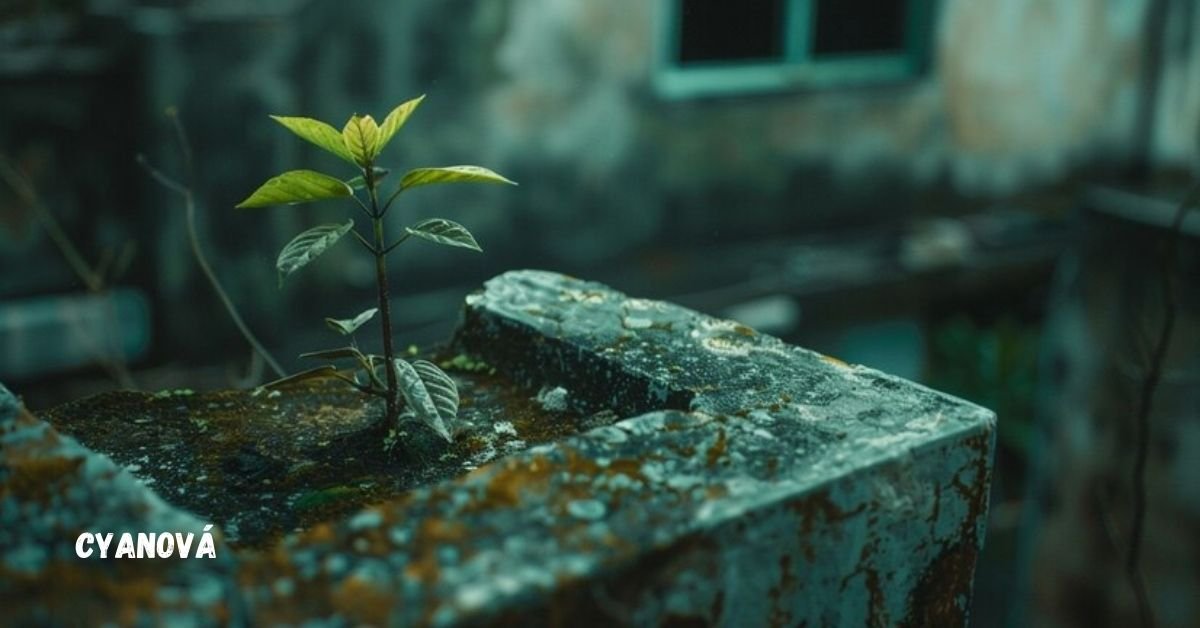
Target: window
724, 31
720, 46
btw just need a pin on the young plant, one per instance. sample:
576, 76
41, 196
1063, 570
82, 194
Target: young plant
429, 395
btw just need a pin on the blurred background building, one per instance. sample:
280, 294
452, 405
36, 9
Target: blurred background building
890, 182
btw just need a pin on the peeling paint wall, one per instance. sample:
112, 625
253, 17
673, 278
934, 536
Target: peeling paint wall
1031, 89
1178, 125
1020, 93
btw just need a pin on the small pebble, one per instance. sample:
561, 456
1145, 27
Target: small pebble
587, 509
366, 519
553, 399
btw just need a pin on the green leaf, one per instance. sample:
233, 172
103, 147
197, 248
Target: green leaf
441, 387
361, 135
344, 353
431, 395
445, 232
451, 174
318, 133
348, 326
394, 121
296, 186
305, 247
318, 373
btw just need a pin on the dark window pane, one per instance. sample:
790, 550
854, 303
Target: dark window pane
843, 26
724, 30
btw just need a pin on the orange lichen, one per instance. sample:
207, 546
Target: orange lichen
361, 602
505, 486
436, 530
781, 616
772, 466
320, 533
36, 478
716, 491
834, 361
423, 568
714, 454
580, 464
311, 446
129, 593
820, 506
627, 466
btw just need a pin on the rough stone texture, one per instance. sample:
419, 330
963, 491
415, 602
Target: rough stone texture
51, 490
763, 484
262, 463
885, 481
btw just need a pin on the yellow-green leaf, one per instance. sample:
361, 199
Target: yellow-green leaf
297, 186
317, 373
395, 120
347, 326
318, 133
361, 135
451, 174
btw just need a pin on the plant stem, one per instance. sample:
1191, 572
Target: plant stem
385, 308
1150, 383
94, 278
24, 189
189, 204
189, 207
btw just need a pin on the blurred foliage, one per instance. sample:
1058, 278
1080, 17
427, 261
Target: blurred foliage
993, 364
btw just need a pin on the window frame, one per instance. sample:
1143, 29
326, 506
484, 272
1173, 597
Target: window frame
797, 68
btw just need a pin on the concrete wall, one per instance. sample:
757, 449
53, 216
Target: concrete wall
559, 94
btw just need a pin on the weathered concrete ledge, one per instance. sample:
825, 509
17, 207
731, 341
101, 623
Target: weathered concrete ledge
758, 484
51, 490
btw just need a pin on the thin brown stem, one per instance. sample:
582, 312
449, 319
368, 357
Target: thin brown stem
362, 388
395, 244
25, 190
185, 147
254, 372
185, 190
363, 241
392, 198
189, 205
1154, 371
110, 358
385, 308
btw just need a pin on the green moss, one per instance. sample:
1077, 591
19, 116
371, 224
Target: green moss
308, 452
467, 364
324, 498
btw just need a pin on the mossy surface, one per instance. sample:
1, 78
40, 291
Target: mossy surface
266, 462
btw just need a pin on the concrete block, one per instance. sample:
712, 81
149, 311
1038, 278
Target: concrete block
752, 483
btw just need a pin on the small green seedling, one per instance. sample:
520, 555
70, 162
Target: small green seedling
429, 394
